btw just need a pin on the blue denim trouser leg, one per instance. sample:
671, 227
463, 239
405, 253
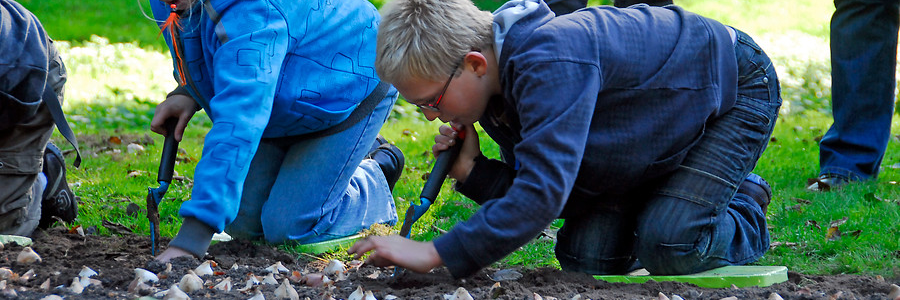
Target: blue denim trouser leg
691, 220
863, 62
316, 189
602, 241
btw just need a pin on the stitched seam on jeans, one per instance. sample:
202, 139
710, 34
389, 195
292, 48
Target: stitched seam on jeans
689, 197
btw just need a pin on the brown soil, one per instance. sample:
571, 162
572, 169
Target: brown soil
115, 258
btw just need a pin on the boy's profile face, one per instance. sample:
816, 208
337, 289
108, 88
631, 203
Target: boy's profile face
459, 100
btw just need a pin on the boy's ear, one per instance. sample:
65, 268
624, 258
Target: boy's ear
475, 61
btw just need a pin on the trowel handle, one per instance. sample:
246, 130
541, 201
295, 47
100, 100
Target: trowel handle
169, 152
442, 166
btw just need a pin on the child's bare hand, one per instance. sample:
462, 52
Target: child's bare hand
398, 251
176, 106
172, 252
470, 149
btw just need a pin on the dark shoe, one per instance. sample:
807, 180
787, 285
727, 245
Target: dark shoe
389, 158
58, 199
826, 182
757, 188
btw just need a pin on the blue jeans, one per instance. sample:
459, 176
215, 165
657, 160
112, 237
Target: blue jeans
317, 189
863, 62
693, 219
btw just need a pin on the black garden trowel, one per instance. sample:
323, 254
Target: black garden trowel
164, 176
430, 191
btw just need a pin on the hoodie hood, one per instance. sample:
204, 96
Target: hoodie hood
507, 15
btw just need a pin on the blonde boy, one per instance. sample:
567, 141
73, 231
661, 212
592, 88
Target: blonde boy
638, 126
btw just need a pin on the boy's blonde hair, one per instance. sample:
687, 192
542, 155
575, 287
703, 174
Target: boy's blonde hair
427, 38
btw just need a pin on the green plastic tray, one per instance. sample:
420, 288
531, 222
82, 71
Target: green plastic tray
330, 245
21, 240
740, 276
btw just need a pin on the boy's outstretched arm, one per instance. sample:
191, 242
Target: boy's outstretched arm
395, 250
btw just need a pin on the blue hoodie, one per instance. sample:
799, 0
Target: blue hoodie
265, 68
595, 103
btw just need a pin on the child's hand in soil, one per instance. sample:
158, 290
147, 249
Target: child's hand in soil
170, 253
398, 251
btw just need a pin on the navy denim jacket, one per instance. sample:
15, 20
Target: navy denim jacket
24, 61
597, 102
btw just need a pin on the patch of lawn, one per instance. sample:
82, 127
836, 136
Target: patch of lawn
799, 220
120, 21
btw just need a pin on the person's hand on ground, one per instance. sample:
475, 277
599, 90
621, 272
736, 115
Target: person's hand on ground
170, 253
398, 251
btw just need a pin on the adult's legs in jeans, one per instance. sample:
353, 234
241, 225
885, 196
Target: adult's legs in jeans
863, 62
697, 221
325, 190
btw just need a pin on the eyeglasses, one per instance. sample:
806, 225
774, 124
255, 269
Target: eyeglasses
434, 105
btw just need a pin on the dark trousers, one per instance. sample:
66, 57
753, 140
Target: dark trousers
863, 62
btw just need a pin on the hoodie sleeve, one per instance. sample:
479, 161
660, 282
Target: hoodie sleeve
246, 71
555, 114
489, 179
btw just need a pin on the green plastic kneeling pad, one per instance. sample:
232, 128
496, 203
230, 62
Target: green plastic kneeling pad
740, 276
329, 245
21, 240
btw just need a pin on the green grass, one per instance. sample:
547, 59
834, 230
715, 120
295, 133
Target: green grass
113, 87
120, 21
803, 218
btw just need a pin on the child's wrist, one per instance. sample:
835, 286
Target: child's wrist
466, 165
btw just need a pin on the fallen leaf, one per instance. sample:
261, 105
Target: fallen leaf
135, 148
813, 223
136, 173
801, 200
833, 234
116, 227
115, 140
74, 229
873, 197
774, 245
840, 222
